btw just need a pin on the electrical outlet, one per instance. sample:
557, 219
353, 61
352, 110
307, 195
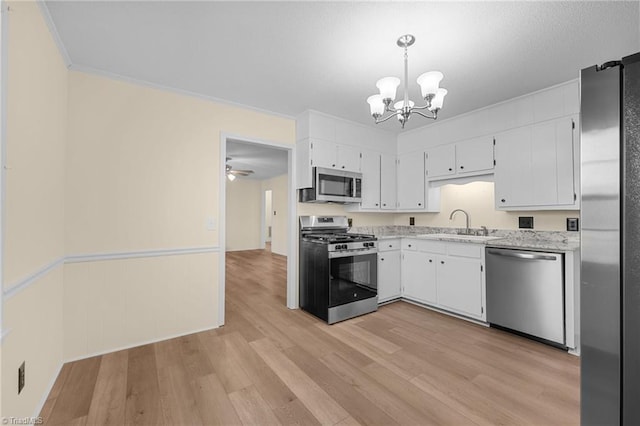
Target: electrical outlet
412, 220
525, 222
21, 377
573, 224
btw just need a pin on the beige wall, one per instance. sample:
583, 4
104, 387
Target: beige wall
121, 303
33, 209
143, 171
243, 214
477, 199
279, 201
243, 205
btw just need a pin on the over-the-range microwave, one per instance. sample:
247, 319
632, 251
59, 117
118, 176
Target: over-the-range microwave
337, 186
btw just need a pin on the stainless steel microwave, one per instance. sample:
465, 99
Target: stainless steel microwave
337, 186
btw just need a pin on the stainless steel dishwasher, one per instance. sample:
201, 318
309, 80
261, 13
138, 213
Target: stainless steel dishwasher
525, 292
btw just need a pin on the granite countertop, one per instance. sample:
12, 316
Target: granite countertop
535, 244
518, 239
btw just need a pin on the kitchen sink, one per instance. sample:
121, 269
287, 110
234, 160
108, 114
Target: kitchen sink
458, 237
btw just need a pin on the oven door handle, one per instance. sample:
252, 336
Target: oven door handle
352, 253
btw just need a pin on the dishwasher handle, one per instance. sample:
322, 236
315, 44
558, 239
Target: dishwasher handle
519, 255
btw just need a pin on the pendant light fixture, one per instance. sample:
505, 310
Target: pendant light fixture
429, 86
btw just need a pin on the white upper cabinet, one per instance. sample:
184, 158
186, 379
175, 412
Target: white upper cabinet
461, 159
325, 141
475, 155
370, 179
441, 161
335, 156
348, 158
388, 193
536, 166
323, 153
411, 189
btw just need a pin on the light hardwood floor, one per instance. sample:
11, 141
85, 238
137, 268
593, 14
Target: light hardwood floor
270, 365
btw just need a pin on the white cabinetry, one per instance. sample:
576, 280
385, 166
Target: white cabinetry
388, 270
388, 191
419, 276
370, 167
335, 156
320, 153
445, 275
475, 155
459, 283
465, 158
536, 166
411, 189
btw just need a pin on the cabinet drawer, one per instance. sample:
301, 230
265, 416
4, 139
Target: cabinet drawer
438, 247
388, 245
409, 244
465, 250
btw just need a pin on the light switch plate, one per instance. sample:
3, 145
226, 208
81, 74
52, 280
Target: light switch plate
211, 223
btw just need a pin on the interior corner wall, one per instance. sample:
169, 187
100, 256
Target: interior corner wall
143, 171
243, 209
279, 212
33, 209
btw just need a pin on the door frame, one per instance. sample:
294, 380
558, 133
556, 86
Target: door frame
292, 224
263, 216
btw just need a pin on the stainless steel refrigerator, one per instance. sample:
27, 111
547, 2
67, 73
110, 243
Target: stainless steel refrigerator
610, 243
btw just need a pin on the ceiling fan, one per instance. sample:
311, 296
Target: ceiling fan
232, 174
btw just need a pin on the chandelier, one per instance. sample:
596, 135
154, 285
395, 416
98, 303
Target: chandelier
431, 93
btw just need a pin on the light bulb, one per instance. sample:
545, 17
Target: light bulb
438, 99
376, 105
429, 82
388, 87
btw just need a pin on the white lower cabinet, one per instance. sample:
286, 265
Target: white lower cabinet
445, 275
459, 285
388, 275
419, 276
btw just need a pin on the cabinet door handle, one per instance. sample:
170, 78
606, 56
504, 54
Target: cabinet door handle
419, 204
343, 167
503, 200
462, 167
384, 204
333, 165
450, 169
430, 260
442, 261
376, 204
409, 245
382, 259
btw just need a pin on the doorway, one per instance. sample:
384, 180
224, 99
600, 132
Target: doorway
247, 160
267, 219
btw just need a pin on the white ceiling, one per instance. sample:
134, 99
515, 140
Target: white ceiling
287, 57
265, 161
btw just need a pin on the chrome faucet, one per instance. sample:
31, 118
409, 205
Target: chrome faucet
466, 215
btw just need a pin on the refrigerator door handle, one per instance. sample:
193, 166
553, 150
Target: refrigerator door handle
528, 256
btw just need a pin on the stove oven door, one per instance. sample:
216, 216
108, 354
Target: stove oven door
353, 277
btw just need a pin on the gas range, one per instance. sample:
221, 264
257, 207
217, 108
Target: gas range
343, 241
338, 270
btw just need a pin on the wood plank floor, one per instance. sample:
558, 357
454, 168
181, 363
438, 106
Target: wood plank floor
270, 365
